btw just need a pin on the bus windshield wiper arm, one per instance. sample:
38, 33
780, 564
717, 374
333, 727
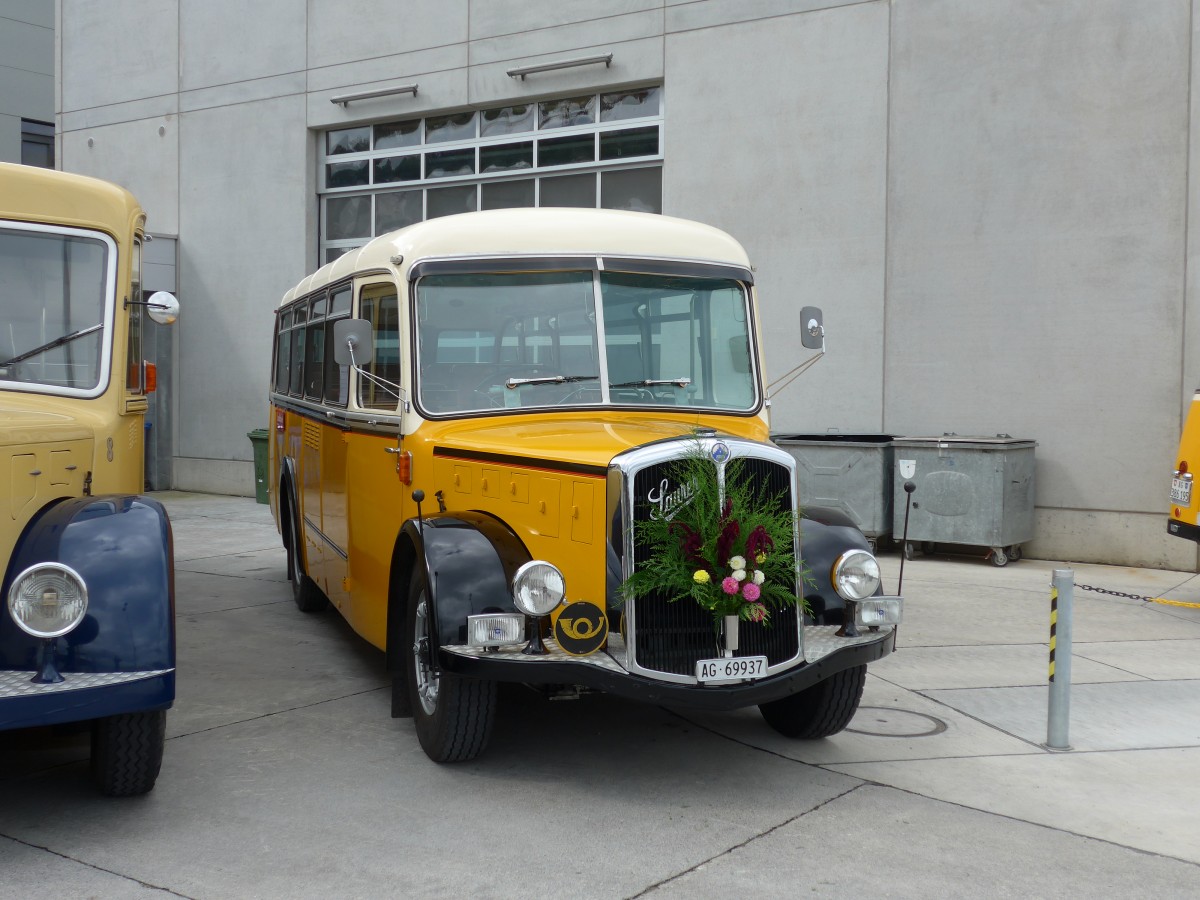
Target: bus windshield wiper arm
549, 379
57, 342
654, 382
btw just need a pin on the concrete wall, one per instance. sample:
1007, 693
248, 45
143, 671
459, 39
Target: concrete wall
990, 201
26, 69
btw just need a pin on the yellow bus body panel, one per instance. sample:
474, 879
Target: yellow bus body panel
49, 443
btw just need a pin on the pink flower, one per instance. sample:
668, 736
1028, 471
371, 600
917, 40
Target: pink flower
751, 591
730, 585
756, 612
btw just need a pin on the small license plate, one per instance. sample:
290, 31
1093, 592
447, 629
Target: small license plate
731, 669
1181, 491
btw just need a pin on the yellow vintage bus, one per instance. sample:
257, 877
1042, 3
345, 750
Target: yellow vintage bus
89, 634
1182, 516
473, 418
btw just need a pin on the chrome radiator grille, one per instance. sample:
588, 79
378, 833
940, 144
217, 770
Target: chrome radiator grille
672, 637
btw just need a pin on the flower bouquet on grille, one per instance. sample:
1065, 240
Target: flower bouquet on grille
729, 552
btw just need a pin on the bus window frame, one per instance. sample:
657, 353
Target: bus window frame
134, 382
296, 371
313, 387
369, 365
108, 349
333, 314
282, 342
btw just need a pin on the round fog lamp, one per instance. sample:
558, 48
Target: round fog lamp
856, 575
47, 600
537, 588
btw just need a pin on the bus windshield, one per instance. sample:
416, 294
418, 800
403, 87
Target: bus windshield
488, 341
53, 308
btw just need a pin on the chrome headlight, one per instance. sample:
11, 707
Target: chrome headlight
855, 575
47, 600
537, 588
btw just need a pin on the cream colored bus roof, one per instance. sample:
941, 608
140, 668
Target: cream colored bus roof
528, 232
33, 194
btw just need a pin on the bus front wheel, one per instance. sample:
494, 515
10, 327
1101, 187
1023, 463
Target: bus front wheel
821, 710
127, 752
453, 715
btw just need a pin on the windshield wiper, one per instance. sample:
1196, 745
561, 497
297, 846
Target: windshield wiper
57, 342
549, 379
654, 382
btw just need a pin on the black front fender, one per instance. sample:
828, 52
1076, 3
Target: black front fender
825, 534
470, 559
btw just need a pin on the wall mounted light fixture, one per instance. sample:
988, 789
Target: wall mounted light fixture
522, 71
343, 99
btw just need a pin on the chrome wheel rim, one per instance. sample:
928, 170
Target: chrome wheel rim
426, 679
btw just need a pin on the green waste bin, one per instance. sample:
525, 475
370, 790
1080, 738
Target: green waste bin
258, 438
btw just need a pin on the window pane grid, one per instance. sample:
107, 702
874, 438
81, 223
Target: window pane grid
600, 149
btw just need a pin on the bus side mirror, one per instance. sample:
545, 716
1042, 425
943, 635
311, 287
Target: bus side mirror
812, 331
162, 307
352, 338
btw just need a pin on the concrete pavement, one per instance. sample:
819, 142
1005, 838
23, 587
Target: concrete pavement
285, 777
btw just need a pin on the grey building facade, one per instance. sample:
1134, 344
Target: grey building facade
27, 82
990, 201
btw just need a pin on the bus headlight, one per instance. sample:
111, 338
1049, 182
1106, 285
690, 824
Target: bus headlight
47, 600
855, 575
537, 588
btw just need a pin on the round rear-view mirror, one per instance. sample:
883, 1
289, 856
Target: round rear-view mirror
163, 307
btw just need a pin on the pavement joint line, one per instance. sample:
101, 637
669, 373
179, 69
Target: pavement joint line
750, 840
1134, 678
277, 712
226, 555
69, 858
231, 575
209, 612
989, 812
1042, 750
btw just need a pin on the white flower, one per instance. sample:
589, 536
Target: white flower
759, 577
737, 562
739, 574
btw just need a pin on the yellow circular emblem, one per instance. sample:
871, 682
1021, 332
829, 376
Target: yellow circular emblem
581, 628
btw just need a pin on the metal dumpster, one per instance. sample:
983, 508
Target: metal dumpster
969, 490
850, 472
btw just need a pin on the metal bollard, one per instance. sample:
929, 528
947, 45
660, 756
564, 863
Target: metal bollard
1058, 719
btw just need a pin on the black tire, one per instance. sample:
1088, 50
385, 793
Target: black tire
821, 710
453, 715
127, 752
307, 596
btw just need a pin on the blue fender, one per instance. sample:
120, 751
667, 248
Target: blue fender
470, 559
122, 548
825, 534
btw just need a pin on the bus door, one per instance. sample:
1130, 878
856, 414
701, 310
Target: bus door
335, 525
377, 496
312, 441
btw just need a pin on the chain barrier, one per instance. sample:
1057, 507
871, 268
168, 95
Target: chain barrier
1144, 599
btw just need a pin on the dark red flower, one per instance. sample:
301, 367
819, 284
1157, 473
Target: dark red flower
691, 543
758, 542
726, 539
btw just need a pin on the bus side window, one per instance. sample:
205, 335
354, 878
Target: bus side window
133, 350
283, 325
314, 350
378, 305
299, 316
337, 378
